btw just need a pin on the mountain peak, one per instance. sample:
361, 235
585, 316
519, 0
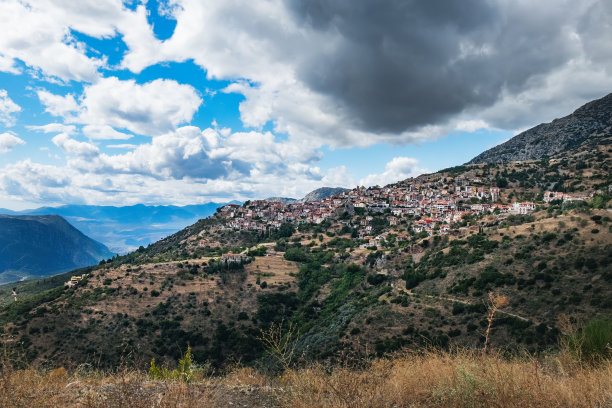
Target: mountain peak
588, 125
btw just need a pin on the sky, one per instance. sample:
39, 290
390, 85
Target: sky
109, 102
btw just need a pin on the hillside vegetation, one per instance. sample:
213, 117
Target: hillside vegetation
336, 302
427, 290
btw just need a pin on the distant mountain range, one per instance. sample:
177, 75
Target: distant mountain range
318, 194
124, 229
588, 125
35, 246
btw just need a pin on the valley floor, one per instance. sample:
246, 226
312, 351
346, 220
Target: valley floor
437, 379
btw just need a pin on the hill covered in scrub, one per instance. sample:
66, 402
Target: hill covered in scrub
361, 273
362, 281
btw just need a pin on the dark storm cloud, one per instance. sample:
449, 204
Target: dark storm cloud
399, 65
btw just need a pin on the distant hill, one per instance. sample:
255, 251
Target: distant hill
318, 194
323, 192
124, 229
588, 125
34, 246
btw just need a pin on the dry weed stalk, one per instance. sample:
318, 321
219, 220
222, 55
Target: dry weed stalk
280, 343
495, 303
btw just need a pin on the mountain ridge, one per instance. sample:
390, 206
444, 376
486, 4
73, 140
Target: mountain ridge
590, 124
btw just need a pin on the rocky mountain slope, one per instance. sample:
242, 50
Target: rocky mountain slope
32, 246
589, 125
323, 192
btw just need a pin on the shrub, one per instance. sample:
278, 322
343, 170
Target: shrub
296, 254
592, 343
260, 251
458, 308
454, 332
376, 279
184, 371
413, 278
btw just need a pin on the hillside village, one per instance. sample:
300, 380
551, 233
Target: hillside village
434, 206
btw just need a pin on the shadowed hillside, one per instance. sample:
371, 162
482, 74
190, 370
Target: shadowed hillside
32, 246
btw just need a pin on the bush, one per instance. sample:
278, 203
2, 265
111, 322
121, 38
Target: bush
591, 344
458, 308
413, 278
184, 371
296, 255
376, 279
260, 251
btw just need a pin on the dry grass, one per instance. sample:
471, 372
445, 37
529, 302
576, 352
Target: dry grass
437, 379
451, 380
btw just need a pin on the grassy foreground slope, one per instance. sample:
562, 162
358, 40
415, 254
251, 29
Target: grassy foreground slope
434, 379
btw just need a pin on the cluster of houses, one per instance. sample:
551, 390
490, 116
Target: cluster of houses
75, 279
436, 206
557, 195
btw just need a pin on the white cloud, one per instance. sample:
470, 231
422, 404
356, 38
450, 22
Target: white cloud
37, 183
151, 109
192, 153
281, 57
398, 169
188, 165
38, 34
283, 61
471, 125
550, 97
7, 109
74, 147
57, 105
8, 140
8, 65
54, 128
104, 132
122, 146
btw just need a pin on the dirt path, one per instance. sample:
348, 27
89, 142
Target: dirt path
464, 302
